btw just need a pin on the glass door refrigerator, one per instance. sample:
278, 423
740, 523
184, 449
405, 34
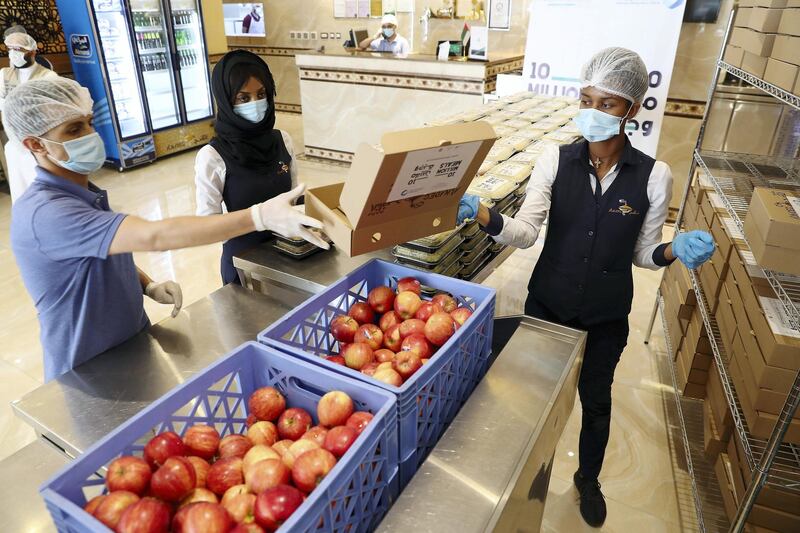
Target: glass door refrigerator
144, 62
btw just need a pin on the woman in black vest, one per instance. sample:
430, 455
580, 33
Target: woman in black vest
607, 203
248, 161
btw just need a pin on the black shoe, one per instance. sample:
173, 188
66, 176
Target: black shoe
593, 503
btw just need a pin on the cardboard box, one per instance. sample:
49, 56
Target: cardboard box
737, 303
790, 22
779, 343
686, 387
781, 74
754, 64
696, 336
787, 48
733, 55
770, 496
724, 473
775, 4
736, 472
753, 42
715, 394
764, 19
726, 321
766, 376
721, 238
711, 284
404, 190
797, 86
777, 258
776, 215
742, 16
712, 443
684, 285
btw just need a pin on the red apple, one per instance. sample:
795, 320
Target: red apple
336, 359
161, 447
334, 408
409, 284
174, 480
241, 507
370, 334
251, 419
232, 492
357, 355
92, 505
383, 366
343, 328
311, 468
258, 453
247, 527
263, 432
388, 376
276, 505
439, 328
113, 506
199, 495
340, 439
266, 474
297, 449
359, 420
406, 363
128, 473
407, 304
201, 468
445, 301
461, 314
317, 434
381, 299
202, 517
362, 313
234, 446
202, 441
388, 320
370, 369
148, 515
426, 310
267, 403
413, 326
383, 355
281, 446
224, 474
419, 344
293, 423
393, 339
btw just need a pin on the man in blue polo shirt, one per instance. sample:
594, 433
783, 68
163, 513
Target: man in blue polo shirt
75, 253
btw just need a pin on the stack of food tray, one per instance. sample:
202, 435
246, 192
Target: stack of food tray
296, 248
439, 254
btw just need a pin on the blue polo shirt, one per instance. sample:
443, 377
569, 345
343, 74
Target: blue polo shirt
87, 300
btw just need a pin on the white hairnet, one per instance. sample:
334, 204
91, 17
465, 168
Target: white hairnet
37, 106
389, 19
617, 71
21, 40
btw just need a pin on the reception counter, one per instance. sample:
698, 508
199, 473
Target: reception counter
351, 97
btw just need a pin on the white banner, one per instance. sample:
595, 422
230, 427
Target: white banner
563, 35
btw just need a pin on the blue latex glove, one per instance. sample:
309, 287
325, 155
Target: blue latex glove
467, 208
693, 248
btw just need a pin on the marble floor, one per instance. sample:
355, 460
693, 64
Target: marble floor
643, 482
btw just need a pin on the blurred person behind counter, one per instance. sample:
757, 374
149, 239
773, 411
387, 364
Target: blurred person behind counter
387, 40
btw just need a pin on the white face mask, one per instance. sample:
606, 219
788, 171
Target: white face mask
17, 58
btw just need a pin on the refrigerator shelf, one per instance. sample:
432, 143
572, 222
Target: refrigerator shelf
140, 29
149, 51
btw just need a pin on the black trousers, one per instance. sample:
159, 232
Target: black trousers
604, 345
233, 247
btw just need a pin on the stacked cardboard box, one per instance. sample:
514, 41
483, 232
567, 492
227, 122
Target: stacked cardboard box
772, 228
765, 41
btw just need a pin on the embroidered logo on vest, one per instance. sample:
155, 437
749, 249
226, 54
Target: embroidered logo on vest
284, 168
624, 209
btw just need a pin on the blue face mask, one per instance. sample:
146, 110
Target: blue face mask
596, 126
388, 32
254, 111
85, 154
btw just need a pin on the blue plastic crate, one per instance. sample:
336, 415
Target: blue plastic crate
430, 399
354, 496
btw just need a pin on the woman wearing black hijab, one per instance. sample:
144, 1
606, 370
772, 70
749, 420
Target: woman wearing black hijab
248, 161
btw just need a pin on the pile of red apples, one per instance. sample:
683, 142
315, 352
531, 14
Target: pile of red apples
249, 483
394, 333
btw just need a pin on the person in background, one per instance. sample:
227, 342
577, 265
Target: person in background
248, 161
22, 52
253, 22
387, 40
75, 254
607, 203
42, 60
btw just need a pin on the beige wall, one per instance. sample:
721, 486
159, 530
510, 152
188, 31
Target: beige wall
213, 26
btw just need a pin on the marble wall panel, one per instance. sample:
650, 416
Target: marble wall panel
675, 147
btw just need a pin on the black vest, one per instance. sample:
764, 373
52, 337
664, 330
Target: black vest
585, 270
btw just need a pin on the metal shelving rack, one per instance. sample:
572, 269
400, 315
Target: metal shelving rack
770, 461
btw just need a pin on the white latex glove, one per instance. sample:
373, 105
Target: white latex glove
279, 216
167, 293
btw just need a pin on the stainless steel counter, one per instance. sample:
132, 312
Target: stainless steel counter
21, 507
491, 469
80, 407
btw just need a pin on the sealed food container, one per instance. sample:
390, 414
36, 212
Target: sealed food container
499, 153
471, 229
531, 133
486, 166
492, 188
502, 130
508, 114
433, 269
475, 253
517, 123
533, 116
545, 127
471, 243
496, 247
561, 137
454, 270
540, 145
469, 272
570, 127
434, 242
520, 190
494, 120
517, 142
528, 158
430, 258
512, 170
